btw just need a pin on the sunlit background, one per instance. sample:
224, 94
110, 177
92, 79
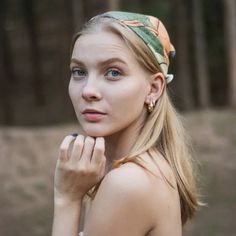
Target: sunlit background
36, 113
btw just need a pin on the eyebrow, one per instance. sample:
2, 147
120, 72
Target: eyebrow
108, 61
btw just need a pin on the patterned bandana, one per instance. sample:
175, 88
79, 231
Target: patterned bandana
152, 31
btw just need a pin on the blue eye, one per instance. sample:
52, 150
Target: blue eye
78, 73
113, 74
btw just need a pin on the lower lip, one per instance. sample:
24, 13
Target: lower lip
93, 116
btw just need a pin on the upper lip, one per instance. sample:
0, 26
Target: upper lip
92, 111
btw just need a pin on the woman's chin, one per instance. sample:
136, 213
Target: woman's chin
95, 133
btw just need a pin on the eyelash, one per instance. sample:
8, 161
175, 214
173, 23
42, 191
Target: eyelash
75, 71
112, 77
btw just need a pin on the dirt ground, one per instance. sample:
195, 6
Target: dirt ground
27, 162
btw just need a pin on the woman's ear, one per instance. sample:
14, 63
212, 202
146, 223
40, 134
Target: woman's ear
157, 82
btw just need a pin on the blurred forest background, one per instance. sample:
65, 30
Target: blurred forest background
35, 110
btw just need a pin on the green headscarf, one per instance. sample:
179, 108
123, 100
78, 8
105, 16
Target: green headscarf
152, 31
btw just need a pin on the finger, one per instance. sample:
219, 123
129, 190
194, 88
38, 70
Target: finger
77, 148
74, 135
63, 153
101, 170
98, 151
103, 167
87, 150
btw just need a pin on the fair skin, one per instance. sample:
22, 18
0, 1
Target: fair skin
109, 91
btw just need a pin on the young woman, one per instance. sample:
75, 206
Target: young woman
131, 161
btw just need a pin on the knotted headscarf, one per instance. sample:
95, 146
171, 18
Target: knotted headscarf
152, 31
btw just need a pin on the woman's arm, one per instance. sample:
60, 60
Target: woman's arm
75, 174
66, 219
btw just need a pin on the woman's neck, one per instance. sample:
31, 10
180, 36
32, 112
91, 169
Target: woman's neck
120, 144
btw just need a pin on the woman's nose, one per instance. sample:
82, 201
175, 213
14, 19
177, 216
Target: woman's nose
91, 91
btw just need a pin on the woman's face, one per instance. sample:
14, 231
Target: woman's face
108, 87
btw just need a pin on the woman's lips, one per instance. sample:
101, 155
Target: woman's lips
93, 115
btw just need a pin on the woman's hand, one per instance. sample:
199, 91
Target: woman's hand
79, 172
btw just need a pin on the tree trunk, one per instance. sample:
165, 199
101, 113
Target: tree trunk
94, 7
200, 55
78, 14
114, 5
183, 80
37, 78
6, 70
230, 39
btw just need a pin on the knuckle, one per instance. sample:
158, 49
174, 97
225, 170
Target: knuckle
80, 137
100, 140
101, 163
99, 149
89, 140
66, 142
69, 167
60, 166
68, 138
78, 144
93, 172
62, 150
82, 169
104, 159
89, 171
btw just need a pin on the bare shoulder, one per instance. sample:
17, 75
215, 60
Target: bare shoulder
131, 192
122, 199
129, 185
132, 182
129, 177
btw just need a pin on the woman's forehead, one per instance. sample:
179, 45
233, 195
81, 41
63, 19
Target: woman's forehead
101, 46
102, 38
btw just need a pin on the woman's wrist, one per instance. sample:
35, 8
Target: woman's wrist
66, 212
64, 202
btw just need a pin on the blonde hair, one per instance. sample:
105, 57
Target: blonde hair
162, 130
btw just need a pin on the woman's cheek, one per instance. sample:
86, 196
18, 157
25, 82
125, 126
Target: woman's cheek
74, 92
71, 91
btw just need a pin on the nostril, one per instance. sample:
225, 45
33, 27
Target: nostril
90, 97
91, 94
